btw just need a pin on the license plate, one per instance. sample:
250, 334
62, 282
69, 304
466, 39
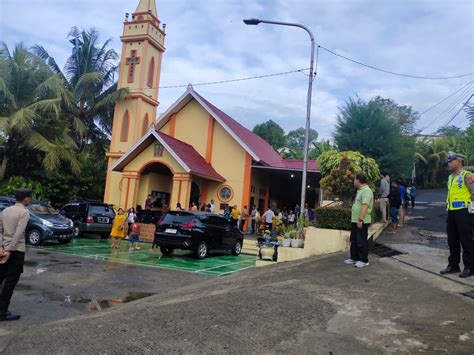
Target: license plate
102, 220
172, 231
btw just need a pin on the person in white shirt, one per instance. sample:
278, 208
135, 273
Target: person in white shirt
212, 206
291, 219
269, 218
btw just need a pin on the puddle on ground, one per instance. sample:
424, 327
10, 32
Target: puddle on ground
23, 287
97, 305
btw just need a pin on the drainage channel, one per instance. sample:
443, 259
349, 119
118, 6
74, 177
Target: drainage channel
384, 251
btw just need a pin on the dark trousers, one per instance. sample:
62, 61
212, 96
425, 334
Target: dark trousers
412, 198
241, 227
234, 222
359, 243
459, 230
9, 275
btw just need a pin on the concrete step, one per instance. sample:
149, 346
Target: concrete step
260, 263
250, 247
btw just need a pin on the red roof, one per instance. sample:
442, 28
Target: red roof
195, 162
258, 145
268, 156
298, 165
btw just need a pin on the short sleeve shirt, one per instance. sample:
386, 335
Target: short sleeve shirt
364, 196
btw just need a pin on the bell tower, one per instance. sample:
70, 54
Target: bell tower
140, 66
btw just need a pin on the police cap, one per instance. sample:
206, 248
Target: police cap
453, 156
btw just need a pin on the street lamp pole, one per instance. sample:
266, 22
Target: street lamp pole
254, 21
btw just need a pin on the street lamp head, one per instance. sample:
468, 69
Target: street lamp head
252, 21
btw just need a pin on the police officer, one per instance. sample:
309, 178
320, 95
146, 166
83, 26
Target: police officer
459, 228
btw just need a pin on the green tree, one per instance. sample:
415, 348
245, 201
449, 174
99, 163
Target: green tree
30, 111
450, 131
430, 156
319, 148
295, 140
272, 133
404, 116
367, 128
89, 76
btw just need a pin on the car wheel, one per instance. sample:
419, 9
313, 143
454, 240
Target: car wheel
34, 237
237, 249
64, 241
76, 231
201, 251
166, 251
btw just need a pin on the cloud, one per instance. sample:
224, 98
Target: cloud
207, 41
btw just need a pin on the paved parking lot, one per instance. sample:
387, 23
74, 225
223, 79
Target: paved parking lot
215, 264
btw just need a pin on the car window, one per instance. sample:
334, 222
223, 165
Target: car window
101, 209
71, 208
41, 208
222, 221
4, 204
177, 218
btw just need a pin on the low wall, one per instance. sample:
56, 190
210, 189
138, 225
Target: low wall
147, 232
319, 241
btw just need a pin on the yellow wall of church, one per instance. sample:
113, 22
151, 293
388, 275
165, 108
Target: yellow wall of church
192, 126
228, 159
114, 188
147, 156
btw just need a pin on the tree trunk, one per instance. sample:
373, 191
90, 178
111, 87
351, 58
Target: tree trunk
3, 168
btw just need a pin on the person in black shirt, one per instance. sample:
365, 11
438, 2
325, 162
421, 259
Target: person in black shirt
395, 201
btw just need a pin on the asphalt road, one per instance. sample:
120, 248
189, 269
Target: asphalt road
430, 210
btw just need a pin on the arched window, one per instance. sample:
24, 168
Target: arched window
125, 127
151, 72
146, 124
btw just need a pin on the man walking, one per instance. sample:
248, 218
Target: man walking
459, 223
360, 220
384, 192
13, 221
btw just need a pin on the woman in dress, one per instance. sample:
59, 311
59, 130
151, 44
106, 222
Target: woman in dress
132, 215
118, 229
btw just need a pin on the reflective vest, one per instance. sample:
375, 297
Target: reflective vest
459, 194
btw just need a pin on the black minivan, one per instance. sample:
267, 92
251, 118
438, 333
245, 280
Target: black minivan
197, 231
90, 217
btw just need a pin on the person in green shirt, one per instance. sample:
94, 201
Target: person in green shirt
360, 219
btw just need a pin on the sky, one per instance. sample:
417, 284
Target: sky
207, 41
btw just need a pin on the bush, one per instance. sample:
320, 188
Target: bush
334, 218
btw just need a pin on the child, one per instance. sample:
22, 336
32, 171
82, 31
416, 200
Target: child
134, 236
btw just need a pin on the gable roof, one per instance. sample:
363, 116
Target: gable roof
189, 159
260, 150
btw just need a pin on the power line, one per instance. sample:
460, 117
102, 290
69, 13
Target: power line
392, 72
459, 99
446, 98
460, 109
227, 81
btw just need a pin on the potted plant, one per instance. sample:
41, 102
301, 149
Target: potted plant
299, 232
287, 237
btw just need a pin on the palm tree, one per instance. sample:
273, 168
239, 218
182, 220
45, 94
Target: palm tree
432, 155
319, 148
92, 92
30, 110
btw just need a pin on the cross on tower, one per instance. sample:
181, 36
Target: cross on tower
131, 62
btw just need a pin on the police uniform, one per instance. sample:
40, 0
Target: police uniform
460, 221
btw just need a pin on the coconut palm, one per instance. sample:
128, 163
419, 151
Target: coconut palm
89, 78
319, 148
432, 155
30, 111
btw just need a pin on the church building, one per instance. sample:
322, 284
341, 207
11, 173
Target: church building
194, 152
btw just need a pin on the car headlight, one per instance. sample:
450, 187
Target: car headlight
47, 223
71, 223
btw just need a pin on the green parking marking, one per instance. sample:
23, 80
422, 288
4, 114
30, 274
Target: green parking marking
213, 265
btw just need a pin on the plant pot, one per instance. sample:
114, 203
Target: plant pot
295, 243
301, 243
286, 242
266, 253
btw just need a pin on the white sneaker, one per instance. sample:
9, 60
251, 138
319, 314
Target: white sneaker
360, 264
349, 262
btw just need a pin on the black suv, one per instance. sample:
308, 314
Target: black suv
197, 231
90, 217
